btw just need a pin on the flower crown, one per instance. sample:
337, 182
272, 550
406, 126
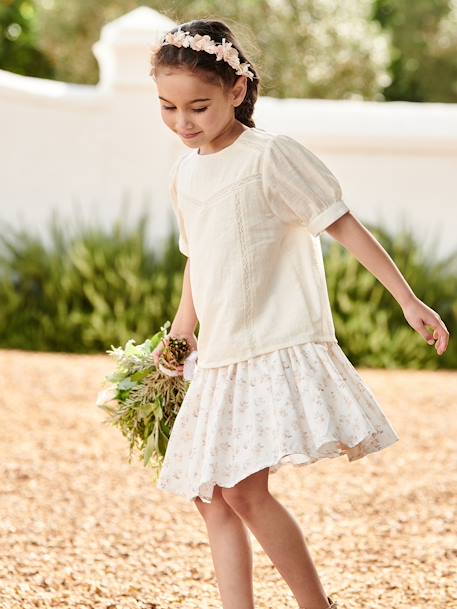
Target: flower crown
223, 51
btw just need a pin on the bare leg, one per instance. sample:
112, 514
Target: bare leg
231, 552
280, 536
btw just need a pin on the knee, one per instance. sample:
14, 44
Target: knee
218, 510
243, 501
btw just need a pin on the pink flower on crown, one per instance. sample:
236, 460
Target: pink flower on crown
201, 43
204, 43
177, 39
211, 48
187, 41
234, 61
244, 70
224, 51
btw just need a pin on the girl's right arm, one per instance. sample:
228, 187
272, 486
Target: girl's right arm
354, 236
185, 320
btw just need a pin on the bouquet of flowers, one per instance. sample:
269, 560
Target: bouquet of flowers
143, 399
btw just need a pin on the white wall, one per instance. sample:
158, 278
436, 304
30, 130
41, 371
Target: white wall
88, 150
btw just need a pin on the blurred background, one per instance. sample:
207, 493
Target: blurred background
88, 248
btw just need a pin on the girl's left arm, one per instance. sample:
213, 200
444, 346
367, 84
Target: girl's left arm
356, 238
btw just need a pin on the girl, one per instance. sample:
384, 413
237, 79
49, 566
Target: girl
271, 385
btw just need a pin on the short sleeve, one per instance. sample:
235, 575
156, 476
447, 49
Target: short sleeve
182, 237
299, 187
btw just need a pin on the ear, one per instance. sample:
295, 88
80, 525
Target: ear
239, 90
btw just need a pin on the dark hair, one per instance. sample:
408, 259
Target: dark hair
206, 64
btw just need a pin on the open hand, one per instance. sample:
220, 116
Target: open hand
420, 317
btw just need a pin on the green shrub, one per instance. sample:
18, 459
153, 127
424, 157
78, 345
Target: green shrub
94, 287
87, 290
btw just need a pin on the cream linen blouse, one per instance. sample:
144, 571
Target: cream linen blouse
249, 218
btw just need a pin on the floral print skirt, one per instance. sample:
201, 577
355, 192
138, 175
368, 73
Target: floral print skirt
294, 405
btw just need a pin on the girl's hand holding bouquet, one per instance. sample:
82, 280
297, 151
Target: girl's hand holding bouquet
147, 390
191, 339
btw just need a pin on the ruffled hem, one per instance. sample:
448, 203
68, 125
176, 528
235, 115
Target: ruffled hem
293, 406
330, 450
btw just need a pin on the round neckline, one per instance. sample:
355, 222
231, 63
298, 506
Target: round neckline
223, 150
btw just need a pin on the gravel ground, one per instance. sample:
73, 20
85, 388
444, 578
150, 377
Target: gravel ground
82, 528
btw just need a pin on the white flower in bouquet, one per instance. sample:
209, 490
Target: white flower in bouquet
106, 395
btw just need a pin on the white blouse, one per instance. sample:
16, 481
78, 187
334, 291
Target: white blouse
249, 218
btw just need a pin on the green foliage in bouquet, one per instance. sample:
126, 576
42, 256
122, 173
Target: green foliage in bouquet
142, 401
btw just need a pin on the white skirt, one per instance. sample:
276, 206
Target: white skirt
293, 405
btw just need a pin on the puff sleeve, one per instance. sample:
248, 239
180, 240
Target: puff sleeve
299, 187
173, 192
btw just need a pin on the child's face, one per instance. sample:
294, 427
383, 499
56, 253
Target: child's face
189, 105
